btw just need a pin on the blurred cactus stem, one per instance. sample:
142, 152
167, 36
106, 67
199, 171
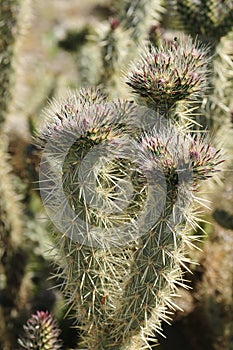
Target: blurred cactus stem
137, 17
211, 21
208, 19
11, 251
116, 43
128, 30
9, 30
41, 333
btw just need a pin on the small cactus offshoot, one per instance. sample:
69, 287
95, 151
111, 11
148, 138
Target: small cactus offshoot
41, 333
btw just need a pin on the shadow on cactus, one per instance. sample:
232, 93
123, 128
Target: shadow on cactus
119, 182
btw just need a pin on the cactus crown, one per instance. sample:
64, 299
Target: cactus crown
175, 72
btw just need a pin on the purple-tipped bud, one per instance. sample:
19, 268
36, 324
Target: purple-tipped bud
204, 159
180, 153
114, 23
41, 333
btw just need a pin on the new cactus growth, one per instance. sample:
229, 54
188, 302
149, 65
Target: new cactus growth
119, 180
41, 333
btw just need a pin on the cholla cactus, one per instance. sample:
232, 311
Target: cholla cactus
119, 181
10, 210
84, 121
114, 43
41, 333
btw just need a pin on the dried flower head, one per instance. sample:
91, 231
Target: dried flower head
175, 72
